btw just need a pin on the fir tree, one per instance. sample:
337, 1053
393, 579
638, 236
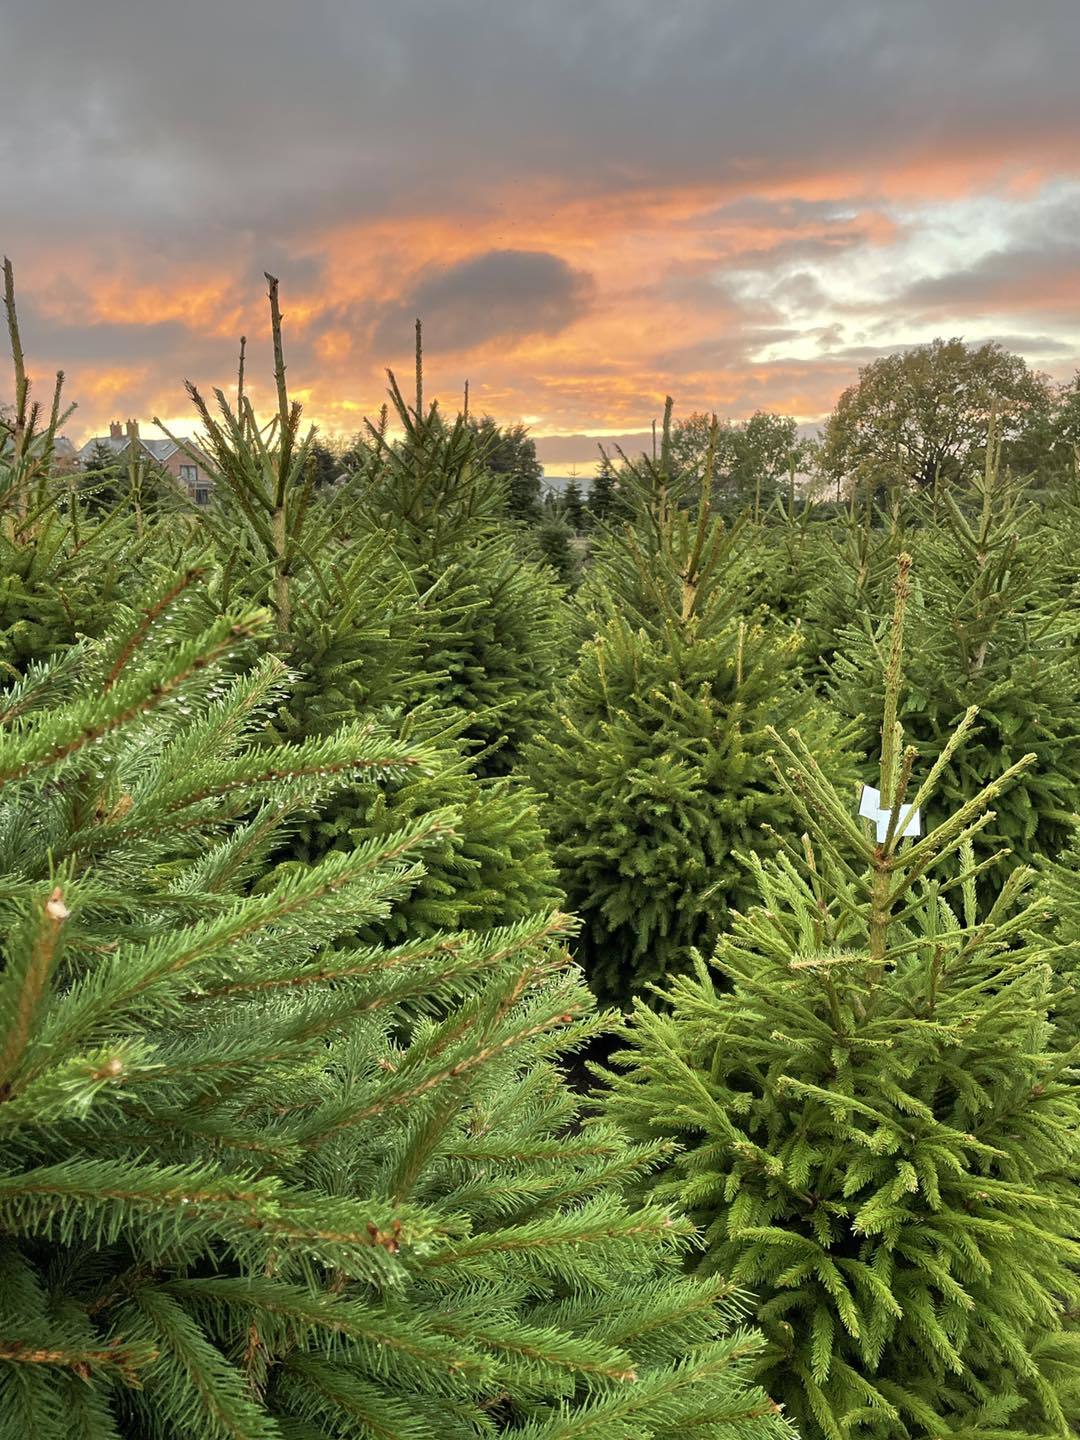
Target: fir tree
325, 468
235, 1203
369, 623
603, 495
28, 432
509, 453
61, 570
880, 1132
496, 626
993, 624
654, 761
821, 572
574, 506
554, 537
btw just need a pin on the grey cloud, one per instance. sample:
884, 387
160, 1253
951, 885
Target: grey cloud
157, 138
1035, 346
1002, 278
1036, 269
267, 115
502, 293
551, 449
113, 343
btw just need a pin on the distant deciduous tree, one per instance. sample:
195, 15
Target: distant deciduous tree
921, 417
751, 460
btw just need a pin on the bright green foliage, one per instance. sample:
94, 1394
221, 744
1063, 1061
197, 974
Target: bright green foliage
235, 1204
1063, 911
494, 622
370, 628
990, 624
880, 1130
654, 763
554, 537
491, 869
59, 573
821, 574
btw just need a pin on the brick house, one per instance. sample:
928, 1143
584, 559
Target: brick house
191, 472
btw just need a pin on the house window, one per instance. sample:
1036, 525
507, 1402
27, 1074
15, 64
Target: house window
189, 474
202, 495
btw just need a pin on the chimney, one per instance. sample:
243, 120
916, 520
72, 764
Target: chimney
133, 430
116, 430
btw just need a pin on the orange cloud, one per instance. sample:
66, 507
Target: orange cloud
650, 311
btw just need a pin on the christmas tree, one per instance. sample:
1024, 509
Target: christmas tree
574, 506
606, 499
60, 569
880, 1128
817, 569
654, 762
373, 613
495, 628
257, 1187
554, 537
993, 624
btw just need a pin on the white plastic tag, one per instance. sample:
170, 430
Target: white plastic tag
870, 807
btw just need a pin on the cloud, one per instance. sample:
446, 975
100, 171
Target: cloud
588, 205
501, 294
272, 116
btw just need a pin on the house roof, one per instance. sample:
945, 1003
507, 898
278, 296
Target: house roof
157, 449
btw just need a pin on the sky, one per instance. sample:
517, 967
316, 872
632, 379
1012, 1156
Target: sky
589, 203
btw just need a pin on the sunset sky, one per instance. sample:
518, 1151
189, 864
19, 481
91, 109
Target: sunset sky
590, 204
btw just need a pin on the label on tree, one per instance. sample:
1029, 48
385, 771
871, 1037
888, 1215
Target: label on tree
870, 807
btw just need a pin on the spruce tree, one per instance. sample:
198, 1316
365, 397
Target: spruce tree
880, 1129
824, 573
604, 499
992, 623
654, 762
554, 537
61, 569
496, 625
256, 1187
574, 507
508, 453
369, 625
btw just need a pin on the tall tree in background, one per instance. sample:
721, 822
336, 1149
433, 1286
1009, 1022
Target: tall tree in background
921, 417
604, 496
554, 537
436, 498
753, 458
324, 466
574, 506
507, 451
